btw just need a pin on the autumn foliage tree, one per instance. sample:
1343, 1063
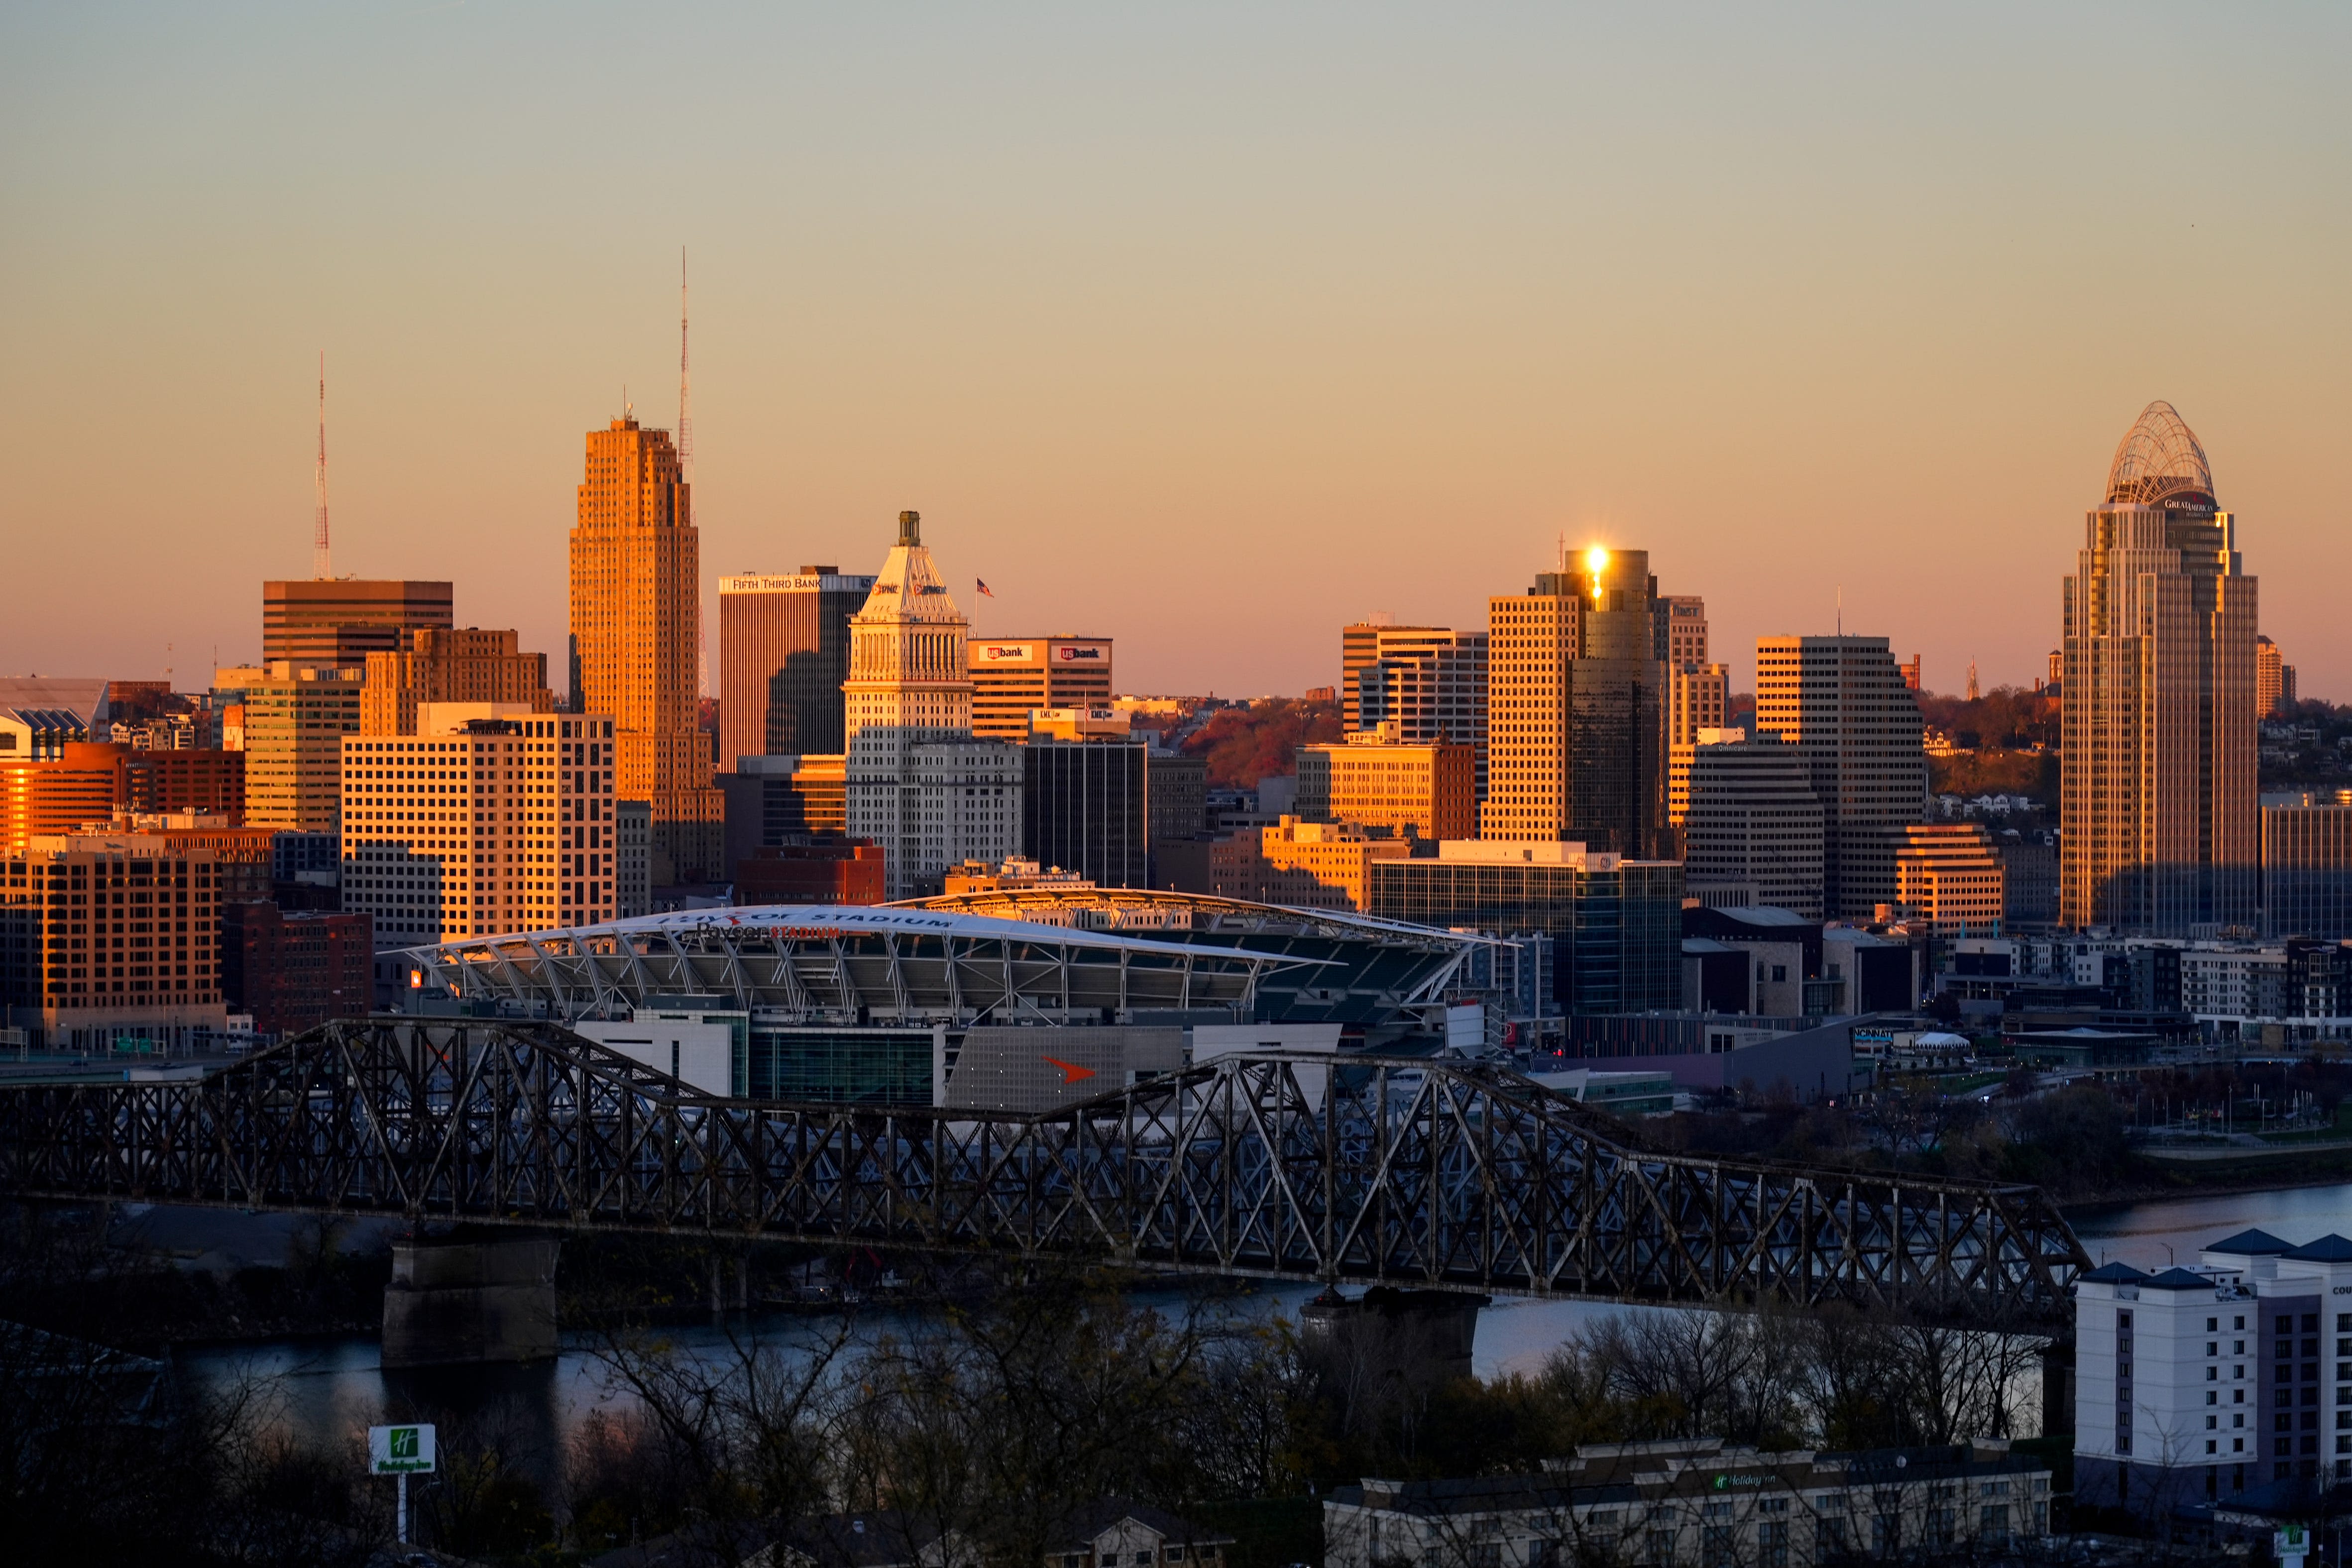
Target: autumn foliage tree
1244, 745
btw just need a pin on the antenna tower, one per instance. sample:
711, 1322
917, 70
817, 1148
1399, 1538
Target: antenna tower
685, 400
321, 563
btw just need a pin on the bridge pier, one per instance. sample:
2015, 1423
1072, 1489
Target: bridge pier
469, 1302
1417, 1339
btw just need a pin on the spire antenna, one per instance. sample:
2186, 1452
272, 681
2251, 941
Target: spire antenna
685, 399
321, 560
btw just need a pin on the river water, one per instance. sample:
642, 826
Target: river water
329, 1390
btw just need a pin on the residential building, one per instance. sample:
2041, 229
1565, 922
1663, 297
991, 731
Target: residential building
1951, 874
1842, 703
108, 938
2274, 680
837, 871
1301, 865
2238, 984
1376, 778
1576, 748
483, 822
2195, 1383
636, 637
1753, 823
2159, 825
919, 784
294, 970
443, 665
1700, 1503
784, 652
633, 839
336, 622
1615, 923
2307, 868
1013, 677
1085, 806
296, 717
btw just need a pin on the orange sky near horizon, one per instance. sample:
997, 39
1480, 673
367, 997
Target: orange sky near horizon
1208, 331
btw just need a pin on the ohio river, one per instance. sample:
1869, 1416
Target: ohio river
330, 1390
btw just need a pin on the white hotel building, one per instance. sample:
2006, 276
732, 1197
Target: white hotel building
2198, 1384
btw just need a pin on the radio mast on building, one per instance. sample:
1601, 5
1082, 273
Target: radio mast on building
322, 563
685, 400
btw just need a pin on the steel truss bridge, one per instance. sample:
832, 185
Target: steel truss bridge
1367, 1171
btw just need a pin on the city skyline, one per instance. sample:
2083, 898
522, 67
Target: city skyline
1416, 292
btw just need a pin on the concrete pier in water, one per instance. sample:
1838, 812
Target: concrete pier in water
455, 1302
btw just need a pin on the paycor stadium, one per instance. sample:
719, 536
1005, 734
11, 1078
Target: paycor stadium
957, 1000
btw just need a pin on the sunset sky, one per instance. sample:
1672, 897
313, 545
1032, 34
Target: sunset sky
1204, 328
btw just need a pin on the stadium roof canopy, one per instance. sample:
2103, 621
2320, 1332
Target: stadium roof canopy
846, 964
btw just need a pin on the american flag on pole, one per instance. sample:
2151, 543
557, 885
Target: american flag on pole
983, 588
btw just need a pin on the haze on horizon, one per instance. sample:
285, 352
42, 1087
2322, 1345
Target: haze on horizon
1208, 328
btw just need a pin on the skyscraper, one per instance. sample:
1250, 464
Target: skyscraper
2158, 811
1842, 703
340, 621
1753, 826
919, 784
1427, 681
2274, 678
1575, 708
1013, 678
784, 652
636, 619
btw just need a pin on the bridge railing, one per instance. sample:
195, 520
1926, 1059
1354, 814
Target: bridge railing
1430, 1174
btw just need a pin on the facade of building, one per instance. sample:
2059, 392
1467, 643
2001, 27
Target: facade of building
917, 783
1576, 708
443, 665
2159, 831
2308, 870
1301, 865
1615, 924
336, 622
1951, 874
1376, 778
111, 937
835, 872
73, 785
1429, 682
637, 624
784, 652
1678, 630
633, 859
1842, 703
1086, 808
774, 800
2274, 680
203, 779
2194, 1385
1013, 677
1701, 1503
293, 970
296, 717
1753, 823
481, 822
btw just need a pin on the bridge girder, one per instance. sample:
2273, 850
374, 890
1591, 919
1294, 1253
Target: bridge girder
1371, 1171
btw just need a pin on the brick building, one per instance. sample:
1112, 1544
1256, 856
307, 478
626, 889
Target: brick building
293, 970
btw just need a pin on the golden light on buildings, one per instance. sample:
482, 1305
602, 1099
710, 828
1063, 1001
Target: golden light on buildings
1596, 559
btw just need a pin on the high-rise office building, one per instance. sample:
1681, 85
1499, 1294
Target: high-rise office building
1377, 778
339, 621
2274, 680
447, 666
486, 819
784, 652
1698, 699
1842, 703
1013, 678
1431, 684
1678, 629
637, 620
919, 784
2307, 867
2159, 810
1950, 875
1086, 808
1359, 643
1752, 833
1576, 708
296, 717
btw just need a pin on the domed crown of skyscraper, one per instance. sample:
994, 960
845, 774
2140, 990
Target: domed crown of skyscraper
2160, 464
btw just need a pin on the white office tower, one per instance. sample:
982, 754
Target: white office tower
2196, 1385
917, 782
